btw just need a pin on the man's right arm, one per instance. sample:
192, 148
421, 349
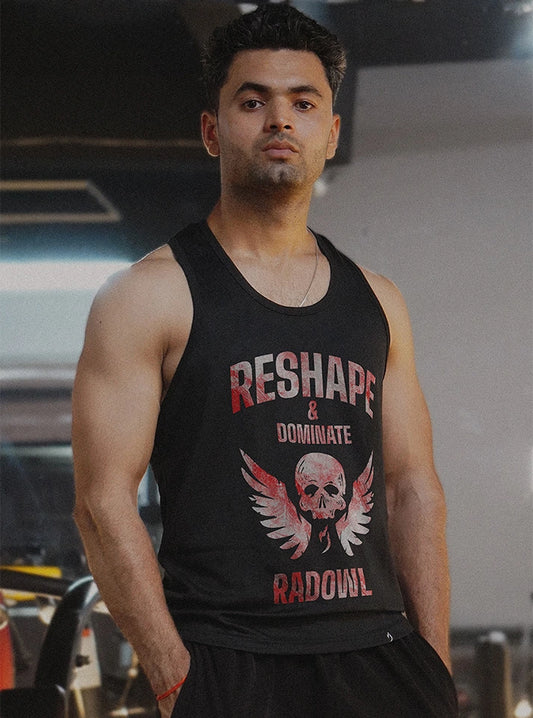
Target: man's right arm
116, 400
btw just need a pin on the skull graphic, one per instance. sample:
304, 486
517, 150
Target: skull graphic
321, 485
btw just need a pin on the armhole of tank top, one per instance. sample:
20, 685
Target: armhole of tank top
373, 296
376, 301
379, 305
181, 259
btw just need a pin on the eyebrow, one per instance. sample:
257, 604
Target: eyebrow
265, 90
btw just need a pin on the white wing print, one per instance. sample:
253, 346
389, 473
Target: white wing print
270, 499
352, 523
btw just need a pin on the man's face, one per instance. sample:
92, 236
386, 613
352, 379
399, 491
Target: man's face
274, 128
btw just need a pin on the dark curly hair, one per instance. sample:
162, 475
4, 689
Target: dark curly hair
269, 27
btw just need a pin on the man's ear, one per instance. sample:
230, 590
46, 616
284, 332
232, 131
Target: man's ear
333, 139
210, 133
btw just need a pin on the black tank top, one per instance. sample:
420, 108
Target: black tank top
268, 457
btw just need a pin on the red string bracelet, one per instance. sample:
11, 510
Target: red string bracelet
170, 691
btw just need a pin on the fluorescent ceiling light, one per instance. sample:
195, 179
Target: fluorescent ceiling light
67, 201
56, 276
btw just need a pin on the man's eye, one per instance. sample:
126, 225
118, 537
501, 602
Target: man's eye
252, 104
304, 105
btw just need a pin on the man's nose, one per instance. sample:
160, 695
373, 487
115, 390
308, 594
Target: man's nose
278, 118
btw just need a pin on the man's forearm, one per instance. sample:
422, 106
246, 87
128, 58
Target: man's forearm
417, 525
123, 563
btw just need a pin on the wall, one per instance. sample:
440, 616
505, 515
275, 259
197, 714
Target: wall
439, 198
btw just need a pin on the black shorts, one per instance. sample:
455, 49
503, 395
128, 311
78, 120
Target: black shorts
402, 679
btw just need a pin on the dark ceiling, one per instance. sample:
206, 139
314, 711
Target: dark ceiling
107, 91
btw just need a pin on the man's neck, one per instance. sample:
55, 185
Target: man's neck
269, 227
273, 249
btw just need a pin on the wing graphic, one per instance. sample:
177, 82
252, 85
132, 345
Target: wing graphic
352, 523
270, 499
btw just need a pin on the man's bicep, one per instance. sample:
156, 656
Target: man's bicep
115, 398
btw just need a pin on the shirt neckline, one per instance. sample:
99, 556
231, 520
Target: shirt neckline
225, 259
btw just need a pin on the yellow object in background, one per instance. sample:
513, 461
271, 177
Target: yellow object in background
47, 571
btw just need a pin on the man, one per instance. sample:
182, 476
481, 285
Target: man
272, 385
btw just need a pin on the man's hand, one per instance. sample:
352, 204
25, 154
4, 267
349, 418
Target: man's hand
166, 706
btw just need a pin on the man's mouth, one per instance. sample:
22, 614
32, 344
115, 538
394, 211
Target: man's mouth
279, 149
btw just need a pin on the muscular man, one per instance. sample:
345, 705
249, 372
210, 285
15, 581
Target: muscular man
272, 385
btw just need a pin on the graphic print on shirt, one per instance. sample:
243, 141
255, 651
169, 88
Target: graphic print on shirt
321, 485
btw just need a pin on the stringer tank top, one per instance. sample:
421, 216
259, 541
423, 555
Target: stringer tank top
268, 458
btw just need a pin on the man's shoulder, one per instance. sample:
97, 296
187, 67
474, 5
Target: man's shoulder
381, 284
388, 294
155, 273
159, 264
151, 288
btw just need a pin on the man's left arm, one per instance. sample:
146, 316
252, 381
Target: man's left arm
416, 505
